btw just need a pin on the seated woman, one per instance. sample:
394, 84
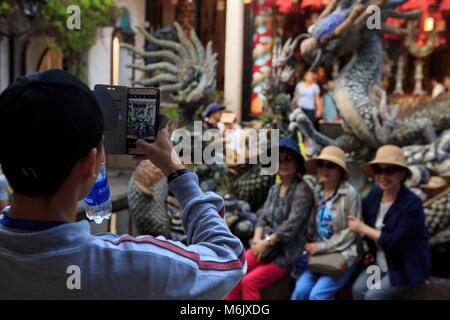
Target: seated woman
284, 219
335, 199
395, 227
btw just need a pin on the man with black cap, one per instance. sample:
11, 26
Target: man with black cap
51, 129
212, 114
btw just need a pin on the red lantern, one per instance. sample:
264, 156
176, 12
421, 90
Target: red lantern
288, 6
313, 4
431, 19
418, 5
445, 5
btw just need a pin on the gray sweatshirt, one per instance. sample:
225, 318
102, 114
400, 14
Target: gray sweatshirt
67, 262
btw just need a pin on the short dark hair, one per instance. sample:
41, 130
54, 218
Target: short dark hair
45, 189
436, 78
60, 119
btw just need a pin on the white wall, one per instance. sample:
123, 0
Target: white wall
99, 58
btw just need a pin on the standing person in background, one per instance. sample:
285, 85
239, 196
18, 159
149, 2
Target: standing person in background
321, 77
436, 87
447, 83
232, 136
307, 97
212, 114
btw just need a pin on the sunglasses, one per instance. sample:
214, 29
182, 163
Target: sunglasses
389, 170
326, 165
287, 158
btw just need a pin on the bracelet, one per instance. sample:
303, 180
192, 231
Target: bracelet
173, 175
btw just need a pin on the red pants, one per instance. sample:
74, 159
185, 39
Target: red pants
259, 275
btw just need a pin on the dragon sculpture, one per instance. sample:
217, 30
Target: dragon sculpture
185, 69
278, 102
368, 121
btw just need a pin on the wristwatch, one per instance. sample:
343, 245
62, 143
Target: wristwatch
173, 175
269, 240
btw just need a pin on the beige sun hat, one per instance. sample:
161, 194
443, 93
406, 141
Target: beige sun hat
146, 175
435, 182
389, 155
446, 176
332, 154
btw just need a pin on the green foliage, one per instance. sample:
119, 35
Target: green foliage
6, 8
172, 112
73, 43
269, 118
218, 96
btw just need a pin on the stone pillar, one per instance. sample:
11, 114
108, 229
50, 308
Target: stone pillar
4, 63
400, 75
234, 56
418, 77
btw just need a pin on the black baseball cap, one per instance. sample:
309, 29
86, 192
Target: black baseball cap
212, 107
48, 121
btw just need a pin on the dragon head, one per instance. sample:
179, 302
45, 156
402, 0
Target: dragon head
339, 27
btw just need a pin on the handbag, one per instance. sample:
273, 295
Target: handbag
329, 264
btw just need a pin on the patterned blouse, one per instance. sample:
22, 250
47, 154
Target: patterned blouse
288, 218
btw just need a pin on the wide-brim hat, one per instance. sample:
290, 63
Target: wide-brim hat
434, 183
388, 155
446, 176
146, 175
331, 154
292, 146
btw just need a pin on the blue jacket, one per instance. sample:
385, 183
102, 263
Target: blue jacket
403, 236
67, 262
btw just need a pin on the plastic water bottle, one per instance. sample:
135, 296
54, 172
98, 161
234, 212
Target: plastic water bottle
97, 203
